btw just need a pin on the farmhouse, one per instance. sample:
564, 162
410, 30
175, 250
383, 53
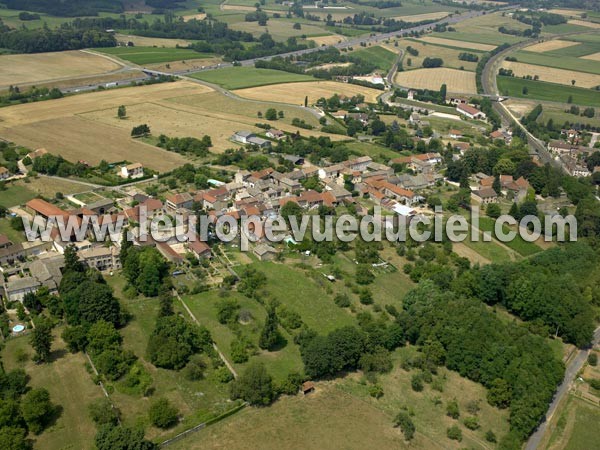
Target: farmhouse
179, 201
501, 134
199, 249
275, 134
4, 173
455, 134
39, 207
486, 195
242, 136
359, 164
470, 111
101, 257
135, 170
37, 153
265, 252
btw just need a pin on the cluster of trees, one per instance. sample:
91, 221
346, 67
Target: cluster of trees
33, 94
140, 130
39, 40
187, 145
56, 165
429, 62
144, 268
425, 95
465, 56
22, 410
71, 8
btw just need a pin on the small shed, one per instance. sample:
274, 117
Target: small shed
308, 387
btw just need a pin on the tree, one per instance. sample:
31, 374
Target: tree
227, 310
75, 338
254, 385
496, 185
102, 412
499, 393
122, 112
365, 296
194, 369
90, 302
41, 340
452, 409
524, 90
122, 438
416, 382
269, 337
572, 82
271, 114
14, 438
493, 210
406, 425
72, 261
162, 413
592, 359
490, 436
454, 433
174, 340
364, 274
37, 409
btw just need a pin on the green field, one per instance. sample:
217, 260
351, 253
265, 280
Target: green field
551, 92
152, 55
244, 77
581, 49
561, 62
576, 427
518, 244
15, 195
383, 58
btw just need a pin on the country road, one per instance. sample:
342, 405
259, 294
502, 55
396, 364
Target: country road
570, 373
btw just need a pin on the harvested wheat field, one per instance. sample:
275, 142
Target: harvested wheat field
141, 41
294, 93
548, 46
328, 40
552, 75
460, 44
593, 56
200, 16
584, 23
566, 12
420, 17
190, 65
39, 67
237, 8
62, 125
457, 81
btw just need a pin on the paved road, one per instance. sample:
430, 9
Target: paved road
572, 369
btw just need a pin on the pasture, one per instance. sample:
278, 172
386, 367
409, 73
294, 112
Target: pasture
384, 58
562, 62
484, 30
552, 75
246, 77
550, 92
152, 55
143, 41
548, 46
43, 67
457, 81
73, 425
428, 50
295, 93
280, 30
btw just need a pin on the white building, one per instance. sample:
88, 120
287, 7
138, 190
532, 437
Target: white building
135, 170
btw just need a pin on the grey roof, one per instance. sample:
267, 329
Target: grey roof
244, 133
22, 283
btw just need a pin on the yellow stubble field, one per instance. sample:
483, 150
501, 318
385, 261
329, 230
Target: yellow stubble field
553, 75
456, 81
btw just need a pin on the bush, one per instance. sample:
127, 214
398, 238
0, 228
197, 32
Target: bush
162, 414
490, 436
254, 385
471, 423
452, 409
376, 391
592, 359
102, 412
406, 425
416, 382
342, 300
454, 433
194, 369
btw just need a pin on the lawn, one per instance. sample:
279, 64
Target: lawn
378, 152
13, 235
151, 55
539, 90
70, 386
575, 427
384, 59
197, 401
245, 77
20, 192
518, 244
565, 61
15, 195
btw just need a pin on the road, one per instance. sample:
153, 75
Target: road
368, 40
570, 373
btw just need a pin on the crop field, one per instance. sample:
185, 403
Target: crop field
328, 40
74, 425
584, 23
457, 81
40, 67
245, 77
484, 30
455, 43
421, 17
448, 55
593, 57
552, 75
575, 426
142, 41
550, 92
548, 46
296, 92
62, 128
384, 58
279, 29
152, 55
562, 62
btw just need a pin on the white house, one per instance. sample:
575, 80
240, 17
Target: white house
243, 136
135, 170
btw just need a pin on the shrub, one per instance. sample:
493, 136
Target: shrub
454, 433
162, 414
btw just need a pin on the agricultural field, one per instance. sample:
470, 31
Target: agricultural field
143, 41
384, 58
457, 81
420, 17
484, 30
328, 40
427, 50
558, 61
550, 92
153, 55
296, 92
246, 77
21, 191
584, 23
62, 128
280, 30
575, 426
549, 46
552, 75
457, 44
593, 57
43, 67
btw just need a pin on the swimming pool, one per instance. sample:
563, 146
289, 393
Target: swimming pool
18, 328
